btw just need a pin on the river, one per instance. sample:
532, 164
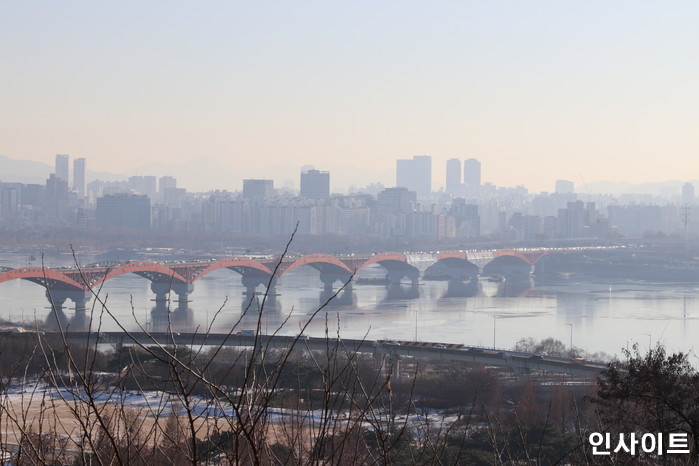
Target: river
599, 315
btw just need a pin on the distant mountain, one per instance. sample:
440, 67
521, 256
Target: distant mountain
194, 175
201, 174
32, 172
103, 176
660, 188
604, 187
23, 171
204, 174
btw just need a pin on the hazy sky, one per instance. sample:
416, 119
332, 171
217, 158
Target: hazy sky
537, 90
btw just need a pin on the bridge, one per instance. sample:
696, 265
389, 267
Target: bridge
395, 349
179, 277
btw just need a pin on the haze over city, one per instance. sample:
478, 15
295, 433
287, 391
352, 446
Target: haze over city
584, 91
456, 232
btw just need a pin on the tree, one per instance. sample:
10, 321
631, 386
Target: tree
654, 392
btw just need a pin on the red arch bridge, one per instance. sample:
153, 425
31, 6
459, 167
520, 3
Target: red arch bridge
179, 277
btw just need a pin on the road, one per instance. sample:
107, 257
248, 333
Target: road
488, 356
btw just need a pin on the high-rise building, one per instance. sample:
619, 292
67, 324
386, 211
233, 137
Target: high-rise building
565, 187
124, 211
145, 185
79, 176
472, 172
258, 190
688, 193
167, 185
57, 194
453, 175
415, 174
472, 178
10, 199
150, 186
62, 167
167, 182
396, 201
315, 184
467, 219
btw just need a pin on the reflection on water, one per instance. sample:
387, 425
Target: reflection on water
603, 315
338, 299
171, 316
460, 289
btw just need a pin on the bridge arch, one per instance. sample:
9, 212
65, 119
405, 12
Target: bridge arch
151, 270
252, 272
530, 257
509, 265
396, 265
242, 265
321, 262
455, 265
48, 278
59, 286
163, 278
330, 267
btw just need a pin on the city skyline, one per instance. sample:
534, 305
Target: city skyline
592, 91
345, 179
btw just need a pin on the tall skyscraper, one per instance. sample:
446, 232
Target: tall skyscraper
150, 186
315, 184
472, 177
395, 201
472, 172
167, 182
79, 176
167, 187
415, 174
124, 211
565, 187
145, 185
258, 190
453, 175
10, 199
62, 167
688, 193
565, 194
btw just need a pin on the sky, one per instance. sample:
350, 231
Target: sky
536, 90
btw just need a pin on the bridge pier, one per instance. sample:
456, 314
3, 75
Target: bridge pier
329, 278
161, 291
395, 366
390, 364
251, 282
183, 290
395, 276
57, 299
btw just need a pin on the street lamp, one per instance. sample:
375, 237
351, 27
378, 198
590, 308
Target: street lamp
494, 327
649, 340
571, 337
415, 324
